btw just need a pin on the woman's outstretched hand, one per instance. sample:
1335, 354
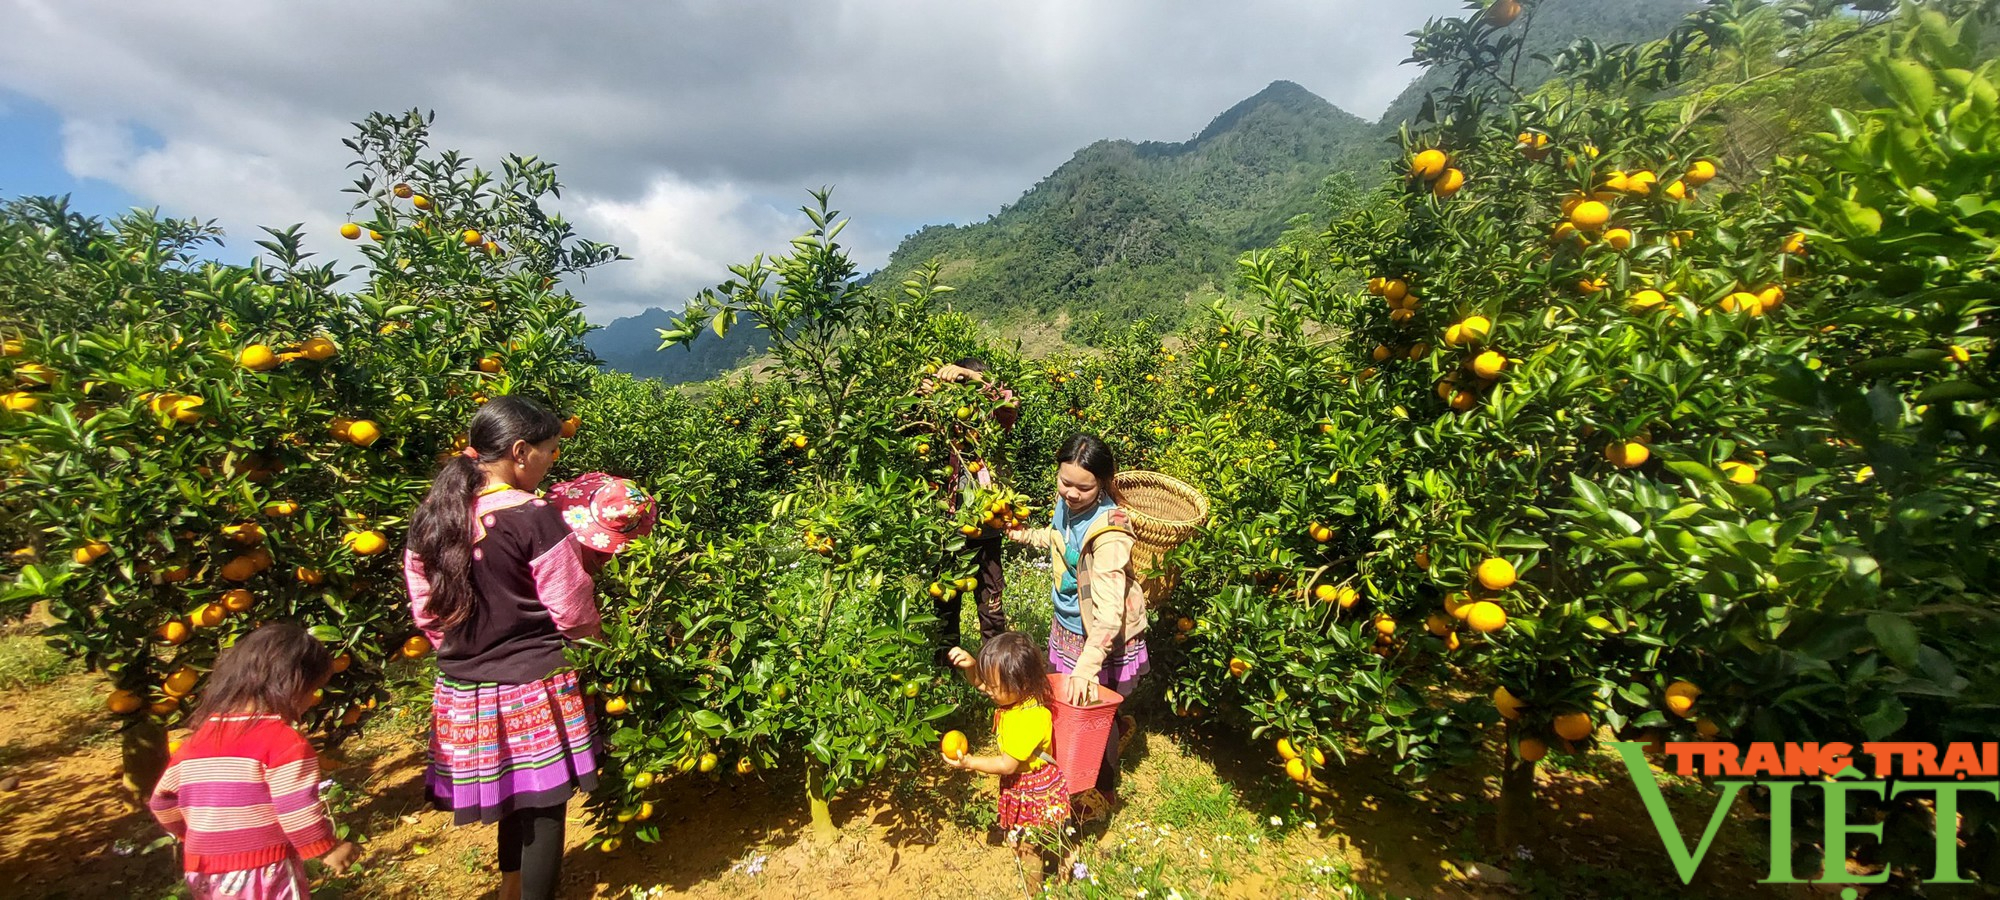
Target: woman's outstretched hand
959, 657
1082, 691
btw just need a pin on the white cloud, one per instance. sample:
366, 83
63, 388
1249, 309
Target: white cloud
681, 237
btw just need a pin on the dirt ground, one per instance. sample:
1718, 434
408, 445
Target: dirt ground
1203, 820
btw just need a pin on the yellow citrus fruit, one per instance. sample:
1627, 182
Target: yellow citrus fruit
1680, 704
570, 426
282, 508
1377, 285
709, 762
616, 706
954, 744
350, 231
1428, 164
1627, 454
22, 402
308, 576
1395, 290
1700, 173
645, 811
1531, 750
420, 201
1464, 401
174, 632
165, 707
1564, 231
1475, 329
1489, 364
1508, 704
1794, 244
1295, 769
1641, 183
471, 238
1618, 238
1503, 13
416, 646
1573, 726
257, 358
363, 433
365, 543
246, 533
1646, 299
1457, 604
12, 347
123, 702
1285, 749
1385, 626
181, 682
1437, 624
1958, 354
1496, 574
1739, 472
238, 600
1238, 667
1325, 593
211, 615
1770, 296
1347, 597
1486, 617
1448, 183
1615, 182
90, 552
402, 190
318, 349
1677, 190
489, 365
1590, 215
33, 374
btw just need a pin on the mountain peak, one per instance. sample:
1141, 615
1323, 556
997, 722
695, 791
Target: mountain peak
1281, 95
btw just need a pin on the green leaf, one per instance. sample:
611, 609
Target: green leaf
1895, 637
1952, 391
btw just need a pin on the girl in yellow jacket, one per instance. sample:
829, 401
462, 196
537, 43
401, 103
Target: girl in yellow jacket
1098, 633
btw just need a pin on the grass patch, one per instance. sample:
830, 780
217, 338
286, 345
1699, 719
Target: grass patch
27, 661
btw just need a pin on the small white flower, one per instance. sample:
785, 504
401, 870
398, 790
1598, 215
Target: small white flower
1135, 870
1253, 839
1312, 826
1276, 821
1140, 893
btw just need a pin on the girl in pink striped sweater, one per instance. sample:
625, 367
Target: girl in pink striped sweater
243, 792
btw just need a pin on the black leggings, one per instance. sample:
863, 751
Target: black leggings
531, 843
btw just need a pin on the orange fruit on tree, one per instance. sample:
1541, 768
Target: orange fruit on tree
1428, 164
365, 543
1794, 244
257, 358
1958, 354
1590, 215
1739, 472
1645, 300
363, 433
350, 231
1678, 190
1464, 401
1347, 597
181, 682
1238, 667
417, 646
490, 365
420, 201
1295, 769
574, 422
22, 402
1448, 183
342, 662
1771, 296
1573, 726
402, 190
1486, 617
165, 706
472, 238
1641, 183
1437, 624
1503, 13
954, 745
1531, 750
616, 706
174, 632
1395, 289
211, 615
245, 533
1618, 238
90, 552
1509, 705
239, 568
1706, 728
123, 702
1457, 604
1326, 593
281, 508
318, 349
1627, 454
1381, 353
1489, 364
1496, 574
33, 374
1700, 173
1385, 626
238, 600
308, 576
12, 347
1285, 749
1475, 329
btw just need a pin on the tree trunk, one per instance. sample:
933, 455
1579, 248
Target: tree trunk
1515, 824
822, 811
145, 756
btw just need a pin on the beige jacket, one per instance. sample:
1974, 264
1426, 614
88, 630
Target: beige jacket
1110, 600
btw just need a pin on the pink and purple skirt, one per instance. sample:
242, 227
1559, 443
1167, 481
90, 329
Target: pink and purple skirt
1122, 666
282, 880
497, 748
1034, 799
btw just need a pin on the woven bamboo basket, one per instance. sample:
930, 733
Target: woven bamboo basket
1164, 511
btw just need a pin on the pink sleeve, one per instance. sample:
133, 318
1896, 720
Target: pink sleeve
420, 598
566, 589
293, 778
165, 803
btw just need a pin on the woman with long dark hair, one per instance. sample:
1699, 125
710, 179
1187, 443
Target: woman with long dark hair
500, 579
1098, 633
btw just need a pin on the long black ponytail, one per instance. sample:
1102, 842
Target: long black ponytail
441, 528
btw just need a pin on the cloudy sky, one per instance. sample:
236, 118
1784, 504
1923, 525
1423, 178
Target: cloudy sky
688, 131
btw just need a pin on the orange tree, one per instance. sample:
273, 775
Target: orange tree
1575, 438
195, 448
795, 640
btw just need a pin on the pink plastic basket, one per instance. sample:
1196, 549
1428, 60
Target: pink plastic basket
1080, 733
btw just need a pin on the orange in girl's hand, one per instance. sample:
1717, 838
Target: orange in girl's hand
954, 745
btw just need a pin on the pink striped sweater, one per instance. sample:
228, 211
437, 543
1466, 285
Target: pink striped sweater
243, 793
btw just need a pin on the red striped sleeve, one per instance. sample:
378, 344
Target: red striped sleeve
566, 589
292, 775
